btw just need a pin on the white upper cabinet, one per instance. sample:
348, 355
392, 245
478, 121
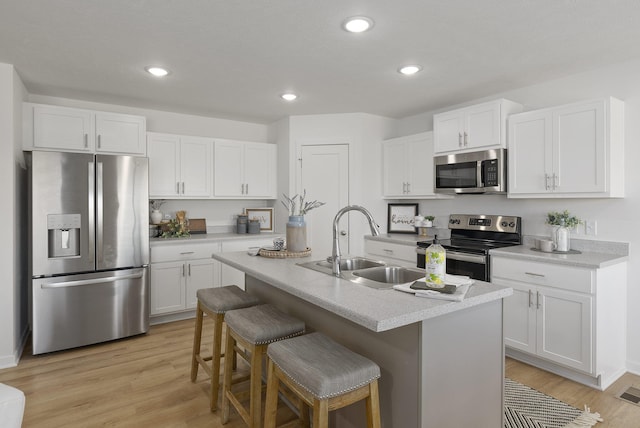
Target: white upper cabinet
244, 170
78, 130
480, 126
407, 167
575, 150
179, 166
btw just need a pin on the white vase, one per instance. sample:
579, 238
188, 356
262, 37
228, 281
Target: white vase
561, 237
156, 216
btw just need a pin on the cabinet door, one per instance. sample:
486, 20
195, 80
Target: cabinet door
164, 165
120, 133
195, 167
394, 160
580, 157
228, 168
420, 167
564, 328
482, 126
200, 274
519, 315
167, 287
447, 131
63, 128
260, 170
530, 153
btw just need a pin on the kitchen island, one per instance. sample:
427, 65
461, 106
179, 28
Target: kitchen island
442, 362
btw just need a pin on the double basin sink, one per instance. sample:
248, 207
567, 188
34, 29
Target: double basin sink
370, 273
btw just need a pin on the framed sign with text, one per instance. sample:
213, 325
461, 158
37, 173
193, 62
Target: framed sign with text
265, 215
401, 218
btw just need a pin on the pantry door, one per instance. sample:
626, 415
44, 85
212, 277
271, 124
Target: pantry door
324, 173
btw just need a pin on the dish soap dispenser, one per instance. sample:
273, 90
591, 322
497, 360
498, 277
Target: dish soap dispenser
435, 263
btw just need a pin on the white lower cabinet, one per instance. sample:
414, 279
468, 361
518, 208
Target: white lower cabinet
565, 319
392, 253
178, 272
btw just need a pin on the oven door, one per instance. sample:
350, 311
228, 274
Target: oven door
474, 266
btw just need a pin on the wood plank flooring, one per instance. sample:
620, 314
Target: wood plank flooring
144, 382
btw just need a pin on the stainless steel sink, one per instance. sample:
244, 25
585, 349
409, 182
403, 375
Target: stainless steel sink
390, 274
370, 273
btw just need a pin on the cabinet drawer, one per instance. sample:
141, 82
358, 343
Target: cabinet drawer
391, 251
188, 251
564, 277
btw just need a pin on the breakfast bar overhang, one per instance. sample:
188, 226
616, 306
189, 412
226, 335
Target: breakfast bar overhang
442, 362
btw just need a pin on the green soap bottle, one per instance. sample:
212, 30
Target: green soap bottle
435, 262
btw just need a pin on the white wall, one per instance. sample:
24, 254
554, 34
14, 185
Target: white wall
12, 260
616, 218
363, 133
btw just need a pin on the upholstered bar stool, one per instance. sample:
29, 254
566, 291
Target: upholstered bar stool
324, 374
253, 329
215, 302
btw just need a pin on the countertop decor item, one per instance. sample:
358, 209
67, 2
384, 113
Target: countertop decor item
177, 227
401, 218
156, 214
562, 222
284, 254
264, 215
296, 226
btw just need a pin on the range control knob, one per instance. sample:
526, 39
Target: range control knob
512, 224
503, 224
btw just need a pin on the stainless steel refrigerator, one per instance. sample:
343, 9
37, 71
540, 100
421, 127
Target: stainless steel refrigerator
90, 248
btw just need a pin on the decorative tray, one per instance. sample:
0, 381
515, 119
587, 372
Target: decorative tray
556, 251
282, 254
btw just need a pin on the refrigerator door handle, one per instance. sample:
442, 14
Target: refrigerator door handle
99, 212
92, 209
66, 284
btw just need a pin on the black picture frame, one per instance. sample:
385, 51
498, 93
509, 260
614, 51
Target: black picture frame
401, 218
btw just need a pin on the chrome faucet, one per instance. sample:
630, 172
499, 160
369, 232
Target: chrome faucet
335, 255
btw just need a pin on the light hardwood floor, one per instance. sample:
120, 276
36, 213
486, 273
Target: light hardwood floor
144, 382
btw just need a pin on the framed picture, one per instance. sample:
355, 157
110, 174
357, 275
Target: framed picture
401, 218
265, 215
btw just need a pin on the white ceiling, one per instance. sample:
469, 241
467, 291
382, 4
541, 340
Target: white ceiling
233, 58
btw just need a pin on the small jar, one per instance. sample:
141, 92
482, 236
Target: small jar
254, 226
241, 223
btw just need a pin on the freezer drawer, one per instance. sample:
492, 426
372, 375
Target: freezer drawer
77, 310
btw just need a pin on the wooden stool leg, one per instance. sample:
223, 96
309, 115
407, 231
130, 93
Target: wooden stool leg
271, 404
320, 414
373, 406
215, 360
226, 382
197, 337
256, 386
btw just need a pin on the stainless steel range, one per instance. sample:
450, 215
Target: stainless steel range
472, 236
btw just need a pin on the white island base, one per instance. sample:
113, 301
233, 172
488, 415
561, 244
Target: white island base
446, 371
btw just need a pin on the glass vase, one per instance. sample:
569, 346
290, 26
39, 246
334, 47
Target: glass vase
562, 239
296, 234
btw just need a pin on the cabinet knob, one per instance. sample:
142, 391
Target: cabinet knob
343, 233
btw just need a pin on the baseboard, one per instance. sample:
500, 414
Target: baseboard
633, 367
7, 361
177, 316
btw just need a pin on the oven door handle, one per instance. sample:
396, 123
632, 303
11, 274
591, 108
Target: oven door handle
466, 257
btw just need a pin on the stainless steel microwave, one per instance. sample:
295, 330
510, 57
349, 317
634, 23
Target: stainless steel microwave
476, 172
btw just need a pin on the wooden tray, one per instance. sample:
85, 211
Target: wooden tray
283, 254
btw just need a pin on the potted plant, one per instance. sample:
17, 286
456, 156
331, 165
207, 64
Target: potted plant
297, 207
562, 223
428, 221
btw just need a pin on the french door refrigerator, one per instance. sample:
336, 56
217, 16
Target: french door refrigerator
90, 248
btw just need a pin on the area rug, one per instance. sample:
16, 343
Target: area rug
525, 407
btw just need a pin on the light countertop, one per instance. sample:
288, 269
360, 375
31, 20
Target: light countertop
588, 259
377, 310
213, 237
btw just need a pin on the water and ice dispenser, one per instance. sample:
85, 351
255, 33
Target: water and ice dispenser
64, 235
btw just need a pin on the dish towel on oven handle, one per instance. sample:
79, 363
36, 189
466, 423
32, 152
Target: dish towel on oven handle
462, 284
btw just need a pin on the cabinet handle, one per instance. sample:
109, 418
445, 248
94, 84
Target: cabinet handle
246, 189
86, 140
183, 270
555, 181
386, 250
189, 269
183, 187
408, 188
99, 141
530, 297
538, 299
466, 139
546, 181
178, 187
534, 274
186, 252
459, 139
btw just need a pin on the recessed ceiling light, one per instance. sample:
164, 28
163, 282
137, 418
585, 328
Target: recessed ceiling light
357, 24
409, 70
157, 71
289, 96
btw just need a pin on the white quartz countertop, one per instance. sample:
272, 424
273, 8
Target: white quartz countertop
213, 237
588, 259
377, 310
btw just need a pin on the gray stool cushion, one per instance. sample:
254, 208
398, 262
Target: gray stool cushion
322, 366
263, 324
222, 299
